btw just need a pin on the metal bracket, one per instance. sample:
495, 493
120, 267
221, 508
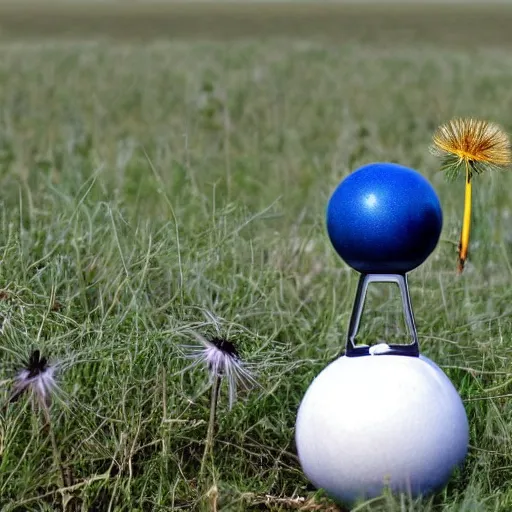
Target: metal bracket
411, 349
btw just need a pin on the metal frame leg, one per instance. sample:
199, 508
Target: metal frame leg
411, 349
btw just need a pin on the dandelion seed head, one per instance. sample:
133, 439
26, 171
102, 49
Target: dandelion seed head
37, 378
480, 144
222, 359
220, 354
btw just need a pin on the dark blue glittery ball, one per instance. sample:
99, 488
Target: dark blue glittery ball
384, 218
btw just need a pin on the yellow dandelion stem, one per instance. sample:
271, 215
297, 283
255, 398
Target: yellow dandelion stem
466, 222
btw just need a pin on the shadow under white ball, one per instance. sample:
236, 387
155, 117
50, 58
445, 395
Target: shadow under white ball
376, 421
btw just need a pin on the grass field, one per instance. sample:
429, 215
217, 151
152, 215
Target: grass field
151, 187
469, 26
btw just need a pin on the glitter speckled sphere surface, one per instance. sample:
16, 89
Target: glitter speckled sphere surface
384, 218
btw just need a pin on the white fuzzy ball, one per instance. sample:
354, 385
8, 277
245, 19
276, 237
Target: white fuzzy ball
376, 420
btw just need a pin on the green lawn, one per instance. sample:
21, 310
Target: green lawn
152, 188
